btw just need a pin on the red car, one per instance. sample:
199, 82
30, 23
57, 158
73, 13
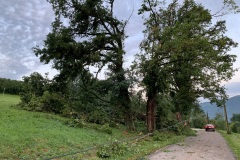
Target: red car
209, 127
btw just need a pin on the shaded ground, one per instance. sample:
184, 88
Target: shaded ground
205, 146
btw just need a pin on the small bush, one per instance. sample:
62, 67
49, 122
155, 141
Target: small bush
52, 102
76, 123
106, 129
113, 150
103, 152
198, 122
34, 105
161, 136
98, 116
235, 127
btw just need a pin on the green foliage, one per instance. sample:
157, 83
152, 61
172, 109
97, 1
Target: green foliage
98, 115
179, 52
114, 149
8, 86
199, 122
49, 102
80, 123
219, 122
233, 141
103, 128
235, 117
52, 102
35, 135
198, 118
93, 37
162, 136
34, 84
34, 104
165, 113
37, 97
235, 123
235, 127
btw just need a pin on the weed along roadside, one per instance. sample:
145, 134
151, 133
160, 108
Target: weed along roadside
233, 140
35, 135
131, 148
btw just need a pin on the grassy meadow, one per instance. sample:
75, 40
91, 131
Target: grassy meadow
34, 135
233, 140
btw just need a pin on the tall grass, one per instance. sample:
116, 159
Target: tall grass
34, 135
233, 140
31, 135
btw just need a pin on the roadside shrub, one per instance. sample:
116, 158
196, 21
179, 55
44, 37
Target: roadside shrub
220, 124
180, 129
198, 122
113, 150
235, 127
162, 136
103, 152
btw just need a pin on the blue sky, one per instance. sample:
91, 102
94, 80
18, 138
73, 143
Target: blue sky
25, 24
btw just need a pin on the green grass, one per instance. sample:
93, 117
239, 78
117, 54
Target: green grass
34, 135
233, 140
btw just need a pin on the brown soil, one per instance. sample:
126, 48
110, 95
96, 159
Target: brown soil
205, 146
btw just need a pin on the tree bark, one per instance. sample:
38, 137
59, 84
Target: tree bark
123, 94
151, 122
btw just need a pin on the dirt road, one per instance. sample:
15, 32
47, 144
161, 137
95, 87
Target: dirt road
205, 146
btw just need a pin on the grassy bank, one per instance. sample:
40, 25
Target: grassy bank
33, 135
233, 140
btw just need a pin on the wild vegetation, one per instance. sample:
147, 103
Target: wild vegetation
233, 141
235, 123
36, 135
183, 56
10, 86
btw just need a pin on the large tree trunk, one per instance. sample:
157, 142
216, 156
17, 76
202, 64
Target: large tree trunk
151, 105
125, 104
129, 118
123, 94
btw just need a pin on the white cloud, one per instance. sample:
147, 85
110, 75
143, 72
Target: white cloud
25, 24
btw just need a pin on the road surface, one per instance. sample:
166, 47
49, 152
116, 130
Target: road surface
205, 146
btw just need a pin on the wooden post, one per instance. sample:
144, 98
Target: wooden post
226, 118
3, 91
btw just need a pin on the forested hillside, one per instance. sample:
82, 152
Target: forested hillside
10, 86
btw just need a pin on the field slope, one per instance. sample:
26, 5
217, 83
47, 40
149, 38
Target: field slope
31, 135
34, 135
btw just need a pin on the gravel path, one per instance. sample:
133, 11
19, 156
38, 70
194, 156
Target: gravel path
205, 146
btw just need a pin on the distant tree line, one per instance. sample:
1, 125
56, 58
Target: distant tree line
235, 123
183, 56
10, 86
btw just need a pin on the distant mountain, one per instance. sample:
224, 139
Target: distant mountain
232, 105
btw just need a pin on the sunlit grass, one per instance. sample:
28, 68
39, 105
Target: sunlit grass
233, 140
